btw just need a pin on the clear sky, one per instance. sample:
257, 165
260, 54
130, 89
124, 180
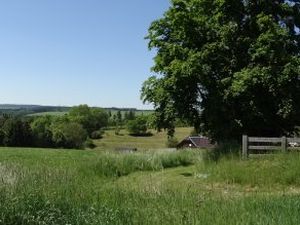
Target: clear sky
70, 52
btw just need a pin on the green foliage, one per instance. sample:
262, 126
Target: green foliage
91, 119
70, 130
119, 118
228, 67
15, 132
41, 129
31, 110
97, 134
68, 134
172, 142
129, 115
89, 143
112, 120
138, 126
117, 130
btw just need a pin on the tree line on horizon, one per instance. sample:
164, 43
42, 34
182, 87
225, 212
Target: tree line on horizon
76, 129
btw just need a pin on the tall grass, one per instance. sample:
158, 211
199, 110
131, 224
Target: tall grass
120, 207
116, 165
228, 149
53, 187
73, 191
267, 170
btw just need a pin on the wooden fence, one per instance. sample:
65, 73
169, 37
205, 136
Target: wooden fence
265, 144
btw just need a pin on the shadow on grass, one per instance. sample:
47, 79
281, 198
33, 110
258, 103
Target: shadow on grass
187, 174
142, 135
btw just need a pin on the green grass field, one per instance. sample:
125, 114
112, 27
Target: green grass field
56, 113
48, 186
157, 141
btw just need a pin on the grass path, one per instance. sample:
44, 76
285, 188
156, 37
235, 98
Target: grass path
190, 179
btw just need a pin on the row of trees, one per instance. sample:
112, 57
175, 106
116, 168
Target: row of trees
15, 132
120, 118
69, 131
73, 130
135, 124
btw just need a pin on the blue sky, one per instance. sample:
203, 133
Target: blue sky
70, 52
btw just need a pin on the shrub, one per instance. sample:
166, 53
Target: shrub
16, 132
138, 126
97, 134
68, 134
117, 130
89, 143
91, 119
172, 142
41, 131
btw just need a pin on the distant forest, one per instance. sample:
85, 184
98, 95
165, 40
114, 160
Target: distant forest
66, 127
23, 110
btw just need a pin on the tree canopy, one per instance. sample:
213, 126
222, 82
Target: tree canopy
71, 130
137, 126
227, 66
91, 119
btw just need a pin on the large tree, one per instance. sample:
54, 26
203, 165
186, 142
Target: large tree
228, 66
15, 132
41, 129
91, 119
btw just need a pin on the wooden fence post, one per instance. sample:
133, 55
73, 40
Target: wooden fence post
245, 146
284, 143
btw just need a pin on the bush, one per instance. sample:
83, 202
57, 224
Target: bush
68, 134
138, 126
42, 134
15, 132
172, 142
117, 130
91, 119
97, 134
89, 143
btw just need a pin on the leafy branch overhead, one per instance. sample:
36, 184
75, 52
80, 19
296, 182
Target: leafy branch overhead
228, 66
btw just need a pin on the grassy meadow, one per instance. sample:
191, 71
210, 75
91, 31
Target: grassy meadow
55, 113
50, 186
156, 141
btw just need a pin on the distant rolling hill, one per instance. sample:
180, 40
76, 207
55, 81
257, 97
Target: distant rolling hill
22, 110
39, 110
